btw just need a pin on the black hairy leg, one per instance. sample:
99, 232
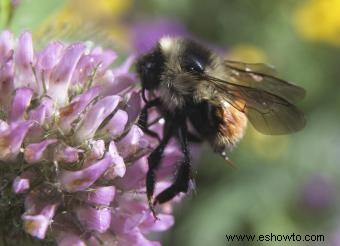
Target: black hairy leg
143, 118
183, 175
154, 161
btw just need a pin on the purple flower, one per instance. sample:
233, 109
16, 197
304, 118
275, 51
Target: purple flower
70, 147
146, 35
318, 194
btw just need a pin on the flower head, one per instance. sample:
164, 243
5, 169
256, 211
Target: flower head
318, 194
72, 159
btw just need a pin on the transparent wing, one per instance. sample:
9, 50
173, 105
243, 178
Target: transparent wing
262, 77
269, 113
255, 67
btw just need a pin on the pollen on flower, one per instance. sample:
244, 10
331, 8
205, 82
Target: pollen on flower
4, 142
77, 182
31, 225
69, 109
36, 225
4, 146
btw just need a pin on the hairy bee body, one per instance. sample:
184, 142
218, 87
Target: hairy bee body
192, 87
180, 89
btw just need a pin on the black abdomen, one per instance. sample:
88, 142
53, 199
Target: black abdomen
203, 117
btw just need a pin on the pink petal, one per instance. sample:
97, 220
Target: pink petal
171, 156
46, 60
97, 149
164, 223
20, 102
116, 169
105, 58
49, 57
24, 53
6, 71
132, 142
116, 125
63, 71
130, 205
121, 224
67, 154
68, 239
73, 181
99, 195
134, 177
71, 112
94, 219
20, 185
24, 60
106, 238
134, 107
49, 210
36, 225
113, 151
84, 69
6, 45
11, 140
125, 66
117, 83
43, 111
95, 116
135, 237
61, 76
88, 64
130, 215
3, 126
119, 167
34, 152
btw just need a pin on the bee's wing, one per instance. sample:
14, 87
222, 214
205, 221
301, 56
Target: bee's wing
262, 77
269, 113
255, 67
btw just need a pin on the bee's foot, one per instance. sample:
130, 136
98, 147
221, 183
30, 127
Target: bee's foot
152, 209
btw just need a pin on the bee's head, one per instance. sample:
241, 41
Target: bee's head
176, 62
150, 67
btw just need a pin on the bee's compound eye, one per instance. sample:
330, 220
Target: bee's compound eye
149, 65
149, 68
193, 65
195, 57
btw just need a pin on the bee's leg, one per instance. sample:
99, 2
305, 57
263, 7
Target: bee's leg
194, 138
143, 118
154, 160
183, 176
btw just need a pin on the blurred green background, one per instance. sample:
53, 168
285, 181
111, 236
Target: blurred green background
282, 184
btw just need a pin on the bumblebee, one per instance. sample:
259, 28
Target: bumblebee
190, 85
